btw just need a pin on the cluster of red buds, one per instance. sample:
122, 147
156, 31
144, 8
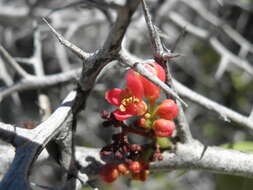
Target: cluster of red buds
111, 171
154, 121
127, 160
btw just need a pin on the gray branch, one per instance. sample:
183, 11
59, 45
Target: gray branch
204, 34
13, 63
186, 156
200, 157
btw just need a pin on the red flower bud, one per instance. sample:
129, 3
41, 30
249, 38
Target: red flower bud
135, 167
144, 123
163, 127
122, 168
141, 122
168, 109
152, 91
109, 172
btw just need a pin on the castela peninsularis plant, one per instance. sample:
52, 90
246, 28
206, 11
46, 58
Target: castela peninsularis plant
152, 119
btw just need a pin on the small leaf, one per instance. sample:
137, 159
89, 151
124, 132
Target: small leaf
246, 146
163, 142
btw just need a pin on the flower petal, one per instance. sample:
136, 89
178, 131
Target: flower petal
160, 72
151, 91
113, 96
121, 116
134, 84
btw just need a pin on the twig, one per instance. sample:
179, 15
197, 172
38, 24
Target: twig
203, 34
22, 60
222, 67
155, 39
114, 39
182, 127
7, 79
36, 60
40, 82
225, 113
62, 57
158, 53
111, 46
13, 63
216, 21
76, 50
139, 67
94, 3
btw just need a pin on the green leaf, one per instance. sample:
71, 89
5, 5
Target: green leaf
246, 146
164, 142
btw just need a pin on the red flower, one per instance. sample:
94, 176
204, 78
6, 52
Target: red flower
163, 127
168, 109
128, 100
152, 91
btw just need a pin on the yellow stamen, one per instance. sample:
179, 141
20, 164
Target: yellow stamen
123, 102
136, 100
126, 101
147, 115
129, 100
122, 108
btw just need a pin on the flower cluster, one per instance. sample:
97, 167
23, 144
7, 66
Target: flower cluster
153, 120
111, 171
128, 159
159, 119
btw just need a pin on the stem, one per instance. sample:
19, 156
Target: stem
152, 107
147, 134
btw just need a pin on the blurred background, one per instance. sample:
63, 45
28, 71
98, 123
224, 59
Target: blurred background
216, 47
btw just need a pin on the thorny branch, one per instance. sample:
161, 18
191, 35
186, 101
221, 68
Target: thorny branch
227, 56
182, 127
